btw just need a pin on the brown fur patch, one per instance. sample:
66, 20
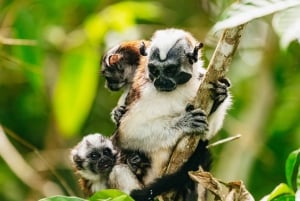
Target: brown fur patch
138, 81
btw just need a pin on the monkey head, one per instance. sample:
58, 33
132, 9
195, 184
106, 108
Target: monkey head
120, 62
93, 156
171, 56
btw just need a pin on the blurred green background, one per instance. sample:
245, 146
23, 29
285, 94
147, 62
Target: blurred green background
52, 94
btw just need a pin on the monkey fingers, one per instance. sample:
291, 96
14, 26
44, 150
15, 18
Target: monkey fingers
194, 121
118, 113
219, 92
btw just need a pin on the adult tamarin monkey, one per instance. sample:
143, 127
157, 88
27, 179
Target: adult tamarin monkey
157, 115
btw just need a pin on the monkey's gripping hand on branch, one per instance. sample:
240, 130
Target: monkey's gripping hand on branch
194, 120
219, 93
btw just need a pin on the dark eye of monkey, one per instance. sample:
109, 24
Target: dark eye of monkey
107, 151
94, 155
153, 70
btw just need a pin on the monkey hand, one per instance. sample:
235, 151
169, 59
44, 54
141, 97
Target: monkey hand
138, 163
219, 93
118, 113
144, 194
193, 121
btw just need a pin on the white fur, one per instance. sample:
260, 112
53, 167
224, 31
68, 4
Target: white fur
96, 140
165, 39
149, 124
122, 178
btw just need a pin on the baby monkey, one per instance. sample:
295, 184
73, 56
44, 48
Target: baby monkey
101, 165
119, 65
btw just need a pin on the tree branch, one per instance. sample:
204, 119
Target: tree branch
217, 69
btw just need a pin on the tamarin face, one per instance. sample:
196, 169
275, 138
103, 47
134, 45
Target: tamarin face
120, 62
170, 58
94, 155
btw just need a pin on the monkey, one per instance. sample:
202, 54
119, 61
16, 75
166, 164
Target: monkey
118, 68
93, 159
98, 163
157, 104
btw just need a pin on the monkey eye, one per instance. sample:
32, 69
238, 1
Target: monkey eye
153, 70
94, 155
106, 151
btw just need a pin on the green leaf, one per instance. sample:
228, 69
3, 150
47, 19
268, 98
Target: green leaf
280, 190
292, 169
287, 25
285, 198
247, 10
110, 195
75, 89
119, 17
62, 198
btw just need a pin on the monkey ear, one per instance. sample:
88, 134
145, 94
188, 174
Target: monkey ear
114, 58
193, 56
143, 49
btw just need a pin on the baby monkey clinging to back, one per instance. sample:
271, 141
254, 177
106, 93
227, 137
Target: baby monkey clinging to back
119, 65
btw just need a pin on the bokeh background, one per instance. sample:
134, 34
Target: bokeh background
52, 94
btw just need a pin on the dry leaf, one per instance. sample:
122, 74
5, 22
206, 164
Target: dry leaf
238, 192
208, 182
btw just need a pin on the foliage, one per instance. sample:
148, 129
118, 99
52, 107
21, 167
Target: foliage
104, 195
292, 170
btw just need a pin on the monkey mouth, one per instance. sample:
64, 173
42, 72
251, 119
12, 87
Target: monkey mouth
105, 166
115, 86
166, 89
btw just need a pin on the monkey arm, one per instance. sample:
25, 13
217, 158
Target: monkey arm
121, 177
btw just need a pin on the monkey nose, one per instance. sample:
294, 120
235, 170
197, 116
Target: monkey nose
163, 84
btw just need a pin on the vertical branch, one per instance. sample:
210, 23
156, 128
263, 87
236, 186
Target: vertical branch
217, 69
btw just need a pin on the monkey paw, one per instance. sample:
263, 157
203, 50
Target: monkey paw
118, 113
194, 120
138, 163
142, 195
219, 92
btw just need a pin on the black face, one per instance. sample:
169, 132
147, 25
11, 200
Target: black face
101, 160
167, 74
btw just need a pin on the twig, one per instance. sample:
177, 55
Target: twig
14, 41
229, 139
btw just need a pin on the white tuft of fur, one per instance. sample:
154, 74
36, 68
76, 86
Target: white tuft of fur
165, 39
92, 141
